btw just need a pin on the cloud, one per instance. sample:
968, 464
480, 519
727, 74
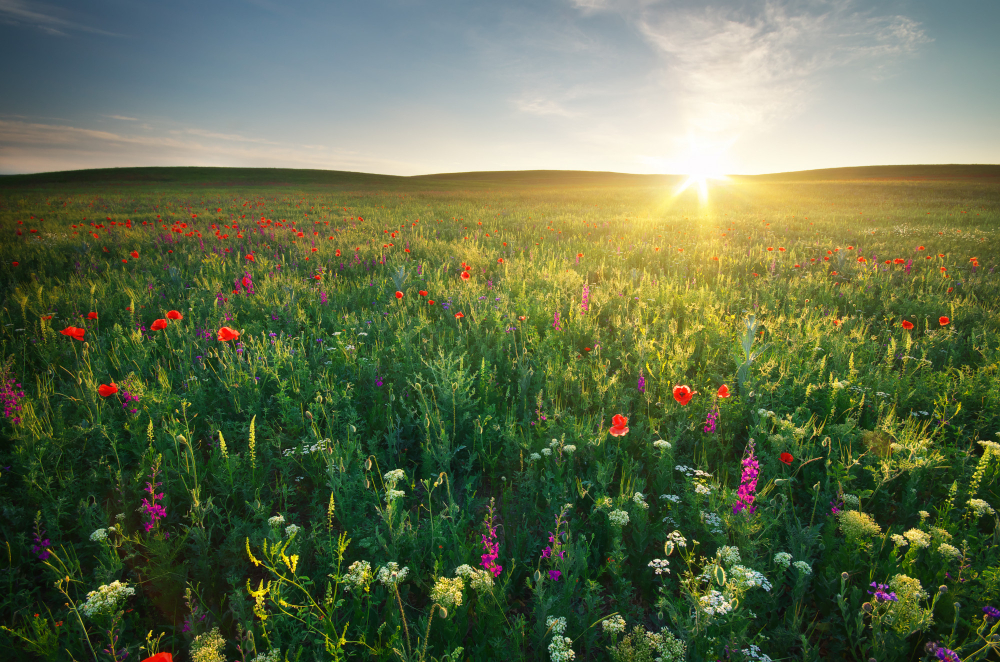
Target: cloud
33, 147
120, 117
742, 67
44, 18
541, 106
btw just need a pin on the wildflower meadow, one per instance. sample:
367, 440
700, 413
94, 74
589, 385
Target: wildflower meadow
521, 418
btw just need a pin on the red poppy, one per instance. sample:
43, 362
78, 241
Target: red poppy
499, 260
74, 332
92, 316
459, 315
174, 315
107, 389
920, 248
618, 425
46, 317
430, 302
521, 317
465, 275
578, 254
907, 325
160, 657
158, 325
943, 321
399, 295
723, 391
787, 458
422, 293
226, 334
135, 254
251, 258
318, 277
683, 394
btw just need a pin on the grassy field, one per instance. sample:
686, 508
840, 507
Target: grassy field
272, 414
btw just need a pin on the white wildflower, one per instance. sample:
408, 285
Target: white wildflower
359, 576
729, 555
534, 457
107, 598
672, 498
100, 534
391, 495
677, 539
660, 566
753, 653
618, 517
918, 538
273, 655
702, 489
950, 552
276, 521
783, 559
715, 604
639, 500
746, 578
448, 592
662, 445
547, 452
614, 625
394, 476
899, 541
569, 449
803, 567
391, 574
291, 530
980, 507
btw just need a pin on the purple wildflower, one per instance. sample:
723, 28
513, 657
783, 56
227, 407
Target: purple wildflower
555, 321
642, 382
585, 301
748, 482
155, 511
10, 395
881, 595
713, 416
491, 545
39, 548
554, 575
991, 613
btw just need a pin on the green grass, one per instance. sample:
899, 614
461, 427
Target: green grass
499, 425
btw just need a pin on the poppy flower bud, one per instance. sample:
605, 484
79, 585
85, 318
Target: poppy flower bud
867, 607
845, 576
181, 439
309, 415
444, 612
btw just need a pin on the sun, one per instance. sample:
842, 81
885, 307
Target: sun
703, 162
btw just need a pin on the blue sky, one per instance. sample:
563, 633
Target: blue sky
415, 87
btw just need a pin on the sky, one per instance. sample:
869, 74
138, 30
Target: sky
409, 87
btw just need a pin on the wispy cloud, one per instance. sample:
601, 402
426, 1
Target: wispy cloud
35, 147
51, 20
739, 67
122, 117
542, 106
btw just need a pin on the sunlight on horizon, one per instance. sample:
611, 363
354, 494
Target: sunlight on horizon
704, 161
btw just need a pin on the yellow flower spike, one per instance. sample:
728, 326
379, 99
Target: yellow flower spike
295, 562
250, 554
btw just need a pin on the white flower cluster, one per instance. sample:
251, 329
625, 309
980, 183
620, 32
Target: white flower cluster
783, 559
618, 517
753, 653
291, 530
106, 599
559, 649
672, 498
534, 457
273, 655
547, 452
851, 501
662, 445
670, 648
604, 502
448, 592
639, 500
980, 507
276, 521
358, 576
770, 414
391, 495
392, 574
715, 604
701, 488
713, 522
745, 578
677, 539
950, 552
803, 567
614, 625
394, 476
990, 447
899, 541
729, 555
918, 538
306, 448
481, 580
660, 566
569, 449
100, 534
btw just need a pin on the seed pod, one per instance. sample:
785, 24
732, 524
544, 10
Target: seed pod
309, 415
720, 575
444, 612
181, 439
668, 547
368, 464
845, 576
538, 576
867, 607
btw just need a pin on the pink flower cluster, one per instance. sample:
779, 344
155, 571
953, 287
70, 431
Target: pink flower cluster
491, 545
748, 483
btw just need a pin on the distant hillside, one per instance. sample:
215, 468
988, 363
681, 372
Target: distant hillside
879, 173
216, 177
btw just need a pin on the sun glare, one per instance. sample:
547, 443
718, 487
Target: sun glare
702, 163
